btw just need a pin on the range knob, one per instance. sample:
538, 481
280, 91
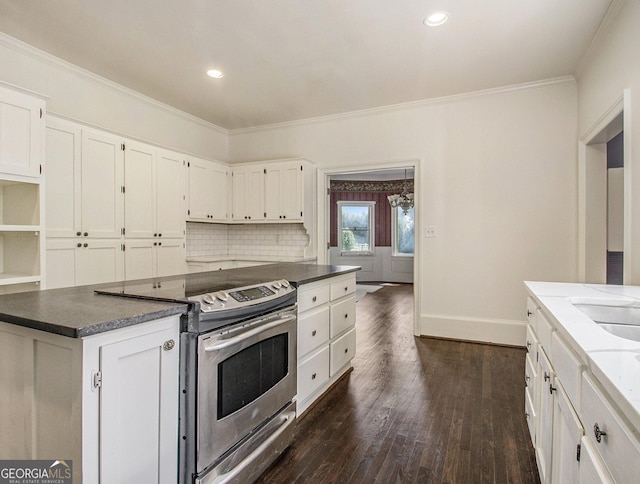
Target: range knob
208, 298
223, 296
276, 285
284, 283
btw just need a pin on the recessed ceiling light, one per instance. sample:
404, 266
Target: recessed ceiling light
215, 73
436, 18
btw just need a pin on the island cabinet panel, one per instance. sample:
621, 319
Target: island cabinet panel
326, 338
108, 402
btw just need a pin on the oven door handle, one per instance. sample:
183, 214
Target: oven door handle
218, 345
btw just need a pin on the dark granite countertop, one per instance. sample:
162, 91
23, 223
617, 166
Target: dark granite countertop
78, 312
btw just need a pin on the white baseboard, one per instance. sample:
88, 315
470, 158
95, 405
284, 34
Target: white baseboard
496, 331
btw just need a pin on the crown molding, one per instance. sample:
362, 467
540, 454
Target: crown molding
40, 55
408, 105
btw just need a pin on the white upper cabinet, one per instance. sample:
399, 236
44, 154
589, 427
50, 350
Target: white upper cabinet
283, 191
170, 194
248, 193
102, 181
63, 194
208, 191
154, 192
21, 132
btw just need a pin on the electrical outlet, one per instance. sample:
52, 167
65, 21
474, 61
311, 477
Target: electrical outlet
430, 232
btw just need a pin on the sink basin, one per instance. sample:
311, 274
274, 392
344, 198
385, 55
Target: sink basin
620, 319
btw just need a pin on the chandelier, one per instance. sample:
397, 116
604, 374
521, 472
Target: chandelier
403, 200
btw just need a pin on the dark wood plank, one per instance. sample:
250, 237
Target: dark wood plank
414, 410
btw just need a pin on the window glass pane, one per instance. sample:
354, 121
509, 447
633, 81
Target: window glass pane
404, 231
355, 230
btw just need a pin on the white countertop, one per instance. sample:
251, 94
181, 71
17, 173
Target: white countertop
614, 361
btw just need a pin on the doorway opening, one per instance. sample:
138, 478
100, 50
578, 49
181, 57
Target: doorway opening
361, 228
604, 199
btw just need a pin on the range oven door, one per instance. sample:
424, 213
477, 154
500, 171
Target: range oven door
246, 374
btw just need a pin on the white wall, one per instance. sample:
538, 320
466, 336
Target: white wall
497, 179
612, 66
83, 96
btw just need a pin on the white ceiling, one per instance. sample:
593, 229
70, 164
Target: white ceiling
287, 60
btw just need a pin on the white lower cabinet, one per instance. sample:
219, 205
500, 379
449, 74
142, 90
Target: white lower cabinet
108, 402
326, 335
72, 262
577, 430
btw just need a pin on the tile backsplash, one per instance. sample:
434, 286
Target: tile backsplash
271, 241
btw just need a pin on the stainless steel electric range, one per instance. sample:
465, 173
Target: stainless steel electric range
237, 372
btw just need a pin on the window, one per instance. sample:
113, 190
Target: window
356, 227
402, 232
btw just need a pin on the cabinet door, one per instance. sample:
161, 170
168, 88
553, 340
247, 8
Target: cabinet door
102, 181
63, 142
99, 261
21, 132
139, 409
171, 257
199, 190
567, 434
283, 191
240, 185
545, 418
219, 192
170, 195
139, 192
248, 193
139, 259
61, 263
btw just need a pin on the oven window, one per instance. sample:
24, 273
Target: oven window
250, 373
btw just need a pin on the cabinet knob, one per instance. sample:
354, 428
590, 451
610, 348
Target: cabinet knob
155, 235
78, 234
598, 433
526, 414
85, 245
314, 332
79, 244
346, 315
160, 235
86, 234
155, 244
159, 243
547, 377
346, 350
313, 377
528, 344
168, 345
346, 289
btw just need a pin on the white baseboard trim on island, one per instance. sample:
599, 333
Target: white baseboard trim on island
494, 331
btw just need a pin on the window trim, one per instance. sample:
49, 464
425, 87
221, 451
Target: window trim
372, 225
394, 234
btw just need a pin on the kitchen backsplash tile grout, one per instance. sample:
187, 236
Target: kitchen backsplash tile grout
277, 241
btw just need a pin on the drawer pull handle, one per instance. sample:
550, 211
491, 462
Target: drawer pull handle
528, 344
547, 377
313, 377
314, 299
526, 378
346, 315
598, 433
527, 415
346, 350
346, 289
529, 313
552, 389
314, 332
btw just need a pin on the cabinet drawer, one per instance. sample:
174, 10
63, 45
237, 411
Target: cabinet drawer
592, 470
544, 330
568, 368
342, 351
343, 288
312, 297
312, 373
530, 414
619, 449
530, 378
532, 309
343, 316
313, 330
532, 343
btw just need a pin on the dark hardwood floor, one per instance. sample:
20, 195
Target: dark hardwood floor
414, 410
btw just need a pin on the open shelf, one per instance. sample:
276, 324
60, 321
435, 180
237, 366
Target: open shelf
19, 203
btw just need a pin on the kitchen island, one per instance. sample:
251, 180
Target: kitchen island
94, 379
